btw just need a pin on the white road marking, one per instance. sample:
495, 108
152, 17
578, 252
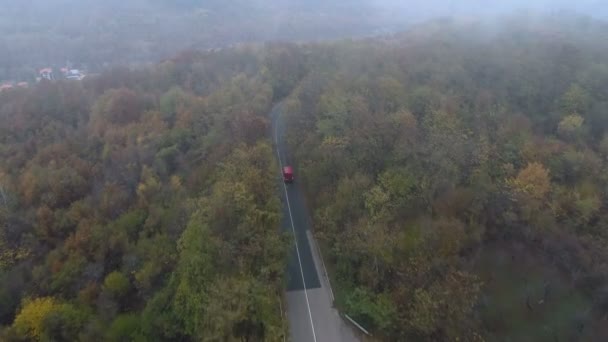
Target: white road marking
293, 229
276, 138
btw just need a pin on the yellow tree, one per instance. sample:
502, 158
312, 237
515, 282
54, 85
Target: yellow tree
29, 323
531, 188
533, 181
47, 319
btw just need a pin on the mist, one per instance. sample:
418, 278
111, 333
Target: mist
95, 35
164, 162
424, 9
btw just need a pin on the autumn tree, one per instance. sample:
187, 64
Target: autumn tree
533, 181
571, 126
46, 318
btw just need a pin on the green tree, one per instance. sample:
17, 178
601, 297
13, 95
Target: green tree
575, 100
124, 328
375, 312
172, 102
194, 271
64, 324
117, 284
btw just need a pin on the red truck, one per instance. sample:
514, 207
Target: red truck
288, 174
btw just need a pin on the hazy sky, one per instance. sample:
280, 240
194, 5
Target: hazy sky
423, 9
96, 33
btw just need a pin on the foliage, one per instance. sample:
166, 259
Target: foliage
533, 180
45, 319
141, 205
145, 200
124, 328
571, 126
29, 323
419, 152
117, 284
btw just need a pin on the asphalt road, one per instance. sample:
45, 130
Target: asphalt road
309, 295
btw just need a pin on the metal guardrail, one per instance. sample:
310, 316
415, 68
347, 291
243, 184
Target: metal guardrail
314, 242
357, 325
326, 275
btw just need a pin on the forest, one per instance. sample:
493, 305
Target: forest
456, 173
141, 205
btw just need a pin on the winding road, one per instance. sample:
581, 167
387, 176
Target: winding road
310, 311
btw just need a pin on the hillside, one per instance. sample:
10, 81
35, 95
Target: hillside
457, 178
456, 174
141, 205
95, 35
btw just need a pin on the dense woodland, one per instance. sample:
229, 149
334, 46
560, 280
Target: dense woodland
141, 205
456, 174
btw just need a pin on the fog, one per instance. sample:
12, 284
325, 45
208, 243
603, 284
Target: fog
95, 34
425, 9
449, 156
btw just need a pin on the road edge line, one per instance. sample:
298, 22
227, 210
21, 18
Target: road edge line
293, 229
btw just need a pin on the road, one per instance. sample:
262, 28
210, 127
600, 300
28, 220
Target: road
310, 311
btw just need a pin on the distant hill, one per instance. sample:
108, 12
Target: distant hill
97, 34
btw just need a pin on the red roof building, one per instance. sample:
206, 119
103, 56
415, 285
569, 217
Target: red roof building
5, 87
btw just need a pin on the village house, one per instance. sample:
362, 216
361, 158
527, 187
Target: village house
5, 87
46, 74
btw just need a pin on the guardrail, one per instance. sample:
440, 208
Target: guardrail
331, 291
357, 325
312, 241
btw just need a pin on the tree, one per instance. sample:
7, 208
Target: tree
146, 198
333, 111
124, 328
388, 95
425, 309
445, 309
533, 181
575, 100
148, 187
65, 323
571, 126
30, 322
115, 107
194, 270
172, 102
603, 147
374, 311
117, 284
